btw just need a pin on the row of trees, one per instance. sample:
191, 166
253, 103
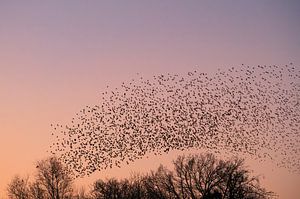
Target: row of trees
193, 176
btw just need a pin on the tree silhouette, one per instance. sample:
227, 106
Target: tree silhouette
54, 178
37, 191
194, 176
161, 184
203, 176
114, 189
18, 188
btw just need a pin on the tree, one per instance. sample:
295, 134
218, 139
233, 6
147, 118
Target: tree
197, 176
123, 189
54, 179
203, 176
18, 188
194, 176
238, 183
109, 189
160, 184
37, 191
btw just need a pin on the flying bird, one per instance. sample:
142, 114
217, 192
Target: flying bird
251, 110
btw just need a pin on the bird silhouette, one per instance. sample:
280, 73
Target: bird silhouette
251, 110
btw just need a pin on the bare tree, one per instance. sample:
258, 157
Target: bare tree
106, 190
37, 191
193, 177
120, 189
54, 178
196, 176
203, 176
18, 188
238, 183
161, 184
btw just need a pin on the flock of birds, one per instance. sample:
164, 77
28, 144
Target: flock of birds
243, 110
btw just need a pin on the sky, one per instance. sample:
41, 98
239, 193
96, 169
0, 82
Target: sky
57, 56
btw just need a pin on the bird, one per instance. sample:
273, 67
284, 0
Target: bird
250, 110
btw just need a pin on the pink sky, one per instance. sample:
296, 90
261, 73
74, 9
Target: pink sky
57, 56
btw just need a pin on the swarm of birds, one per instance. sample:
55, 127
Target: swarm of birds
249, 110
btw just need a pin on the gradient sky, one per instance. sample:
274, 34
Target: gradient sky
57, 56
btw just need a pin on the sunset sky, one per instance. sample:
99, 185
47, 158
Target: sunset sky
57, 56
